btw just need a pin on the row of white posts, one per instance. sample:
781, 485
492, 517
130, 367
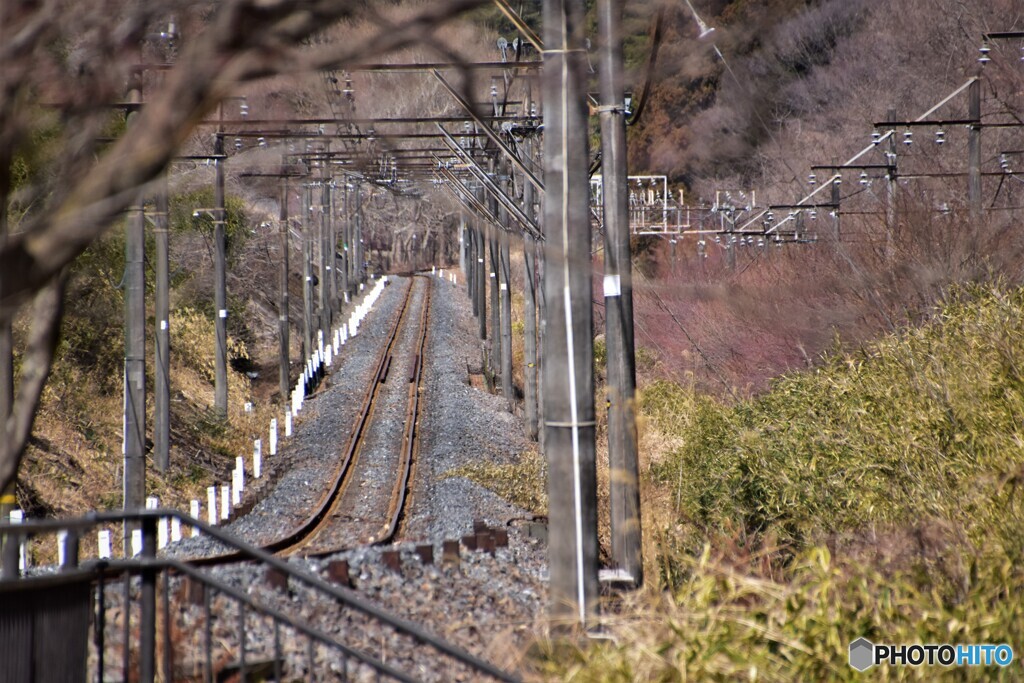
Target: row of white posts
439, 272
222, 499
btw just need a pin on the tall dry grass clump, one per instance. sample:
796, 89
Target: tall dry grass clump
874, 496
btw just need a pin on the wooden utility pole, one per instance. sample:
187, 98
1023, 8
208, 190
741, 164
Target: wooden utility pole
568, 372
162, 334
220, 288
283, 328
618, 298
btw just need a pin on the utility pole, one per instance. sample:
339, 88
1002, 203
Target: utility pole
506, 314
481, 287
332, 256
134, 348
495, 262
471, 266
284, 361
529, 299
974, 149
307, 274
360, 272
836, 200
618, 298
162, 334
890, 192
346, 241
220, 291
568, 372
326, 253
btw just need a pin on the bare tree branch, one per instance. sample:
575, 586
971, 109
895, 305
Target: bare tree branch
42, 343
248, 39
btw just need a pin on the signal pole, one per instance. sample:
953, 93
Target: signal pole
568, 372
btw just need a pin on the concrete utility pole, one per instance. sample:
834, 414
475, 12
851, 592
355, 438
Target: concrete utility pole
326, 254
307, 273
162, 334
836, 201
283, 330
890, 192
346, 241
220, 288
505, 291
471, 266
134, 350
568, 372
529, 302
974, 149
481, 284
357, 239
495, 303
618, 298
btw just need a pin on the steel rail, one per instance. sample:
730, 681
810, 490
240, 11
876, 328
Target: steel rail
355, 441
410, 439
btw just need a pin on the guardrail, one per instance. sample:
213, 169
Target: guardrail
35, 617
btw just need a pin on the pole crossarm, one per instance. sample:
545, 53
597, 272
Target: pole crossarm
512, 156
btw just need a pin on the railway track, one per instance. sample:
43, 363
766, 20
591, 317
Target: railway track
381, 444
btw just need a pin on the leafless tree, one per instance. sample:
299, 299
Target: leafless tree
65, 62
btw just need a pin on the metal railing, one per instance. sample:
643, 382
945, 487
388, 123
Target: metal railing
154, 640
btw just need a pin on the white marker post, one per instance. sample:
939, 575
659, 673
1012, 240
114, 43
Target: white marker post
17, 517
287, 424
257, 459
273, 436
211, 504
62, 538
103, 544
194, 513
225, 502
175, 529
136, 542
238, 481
